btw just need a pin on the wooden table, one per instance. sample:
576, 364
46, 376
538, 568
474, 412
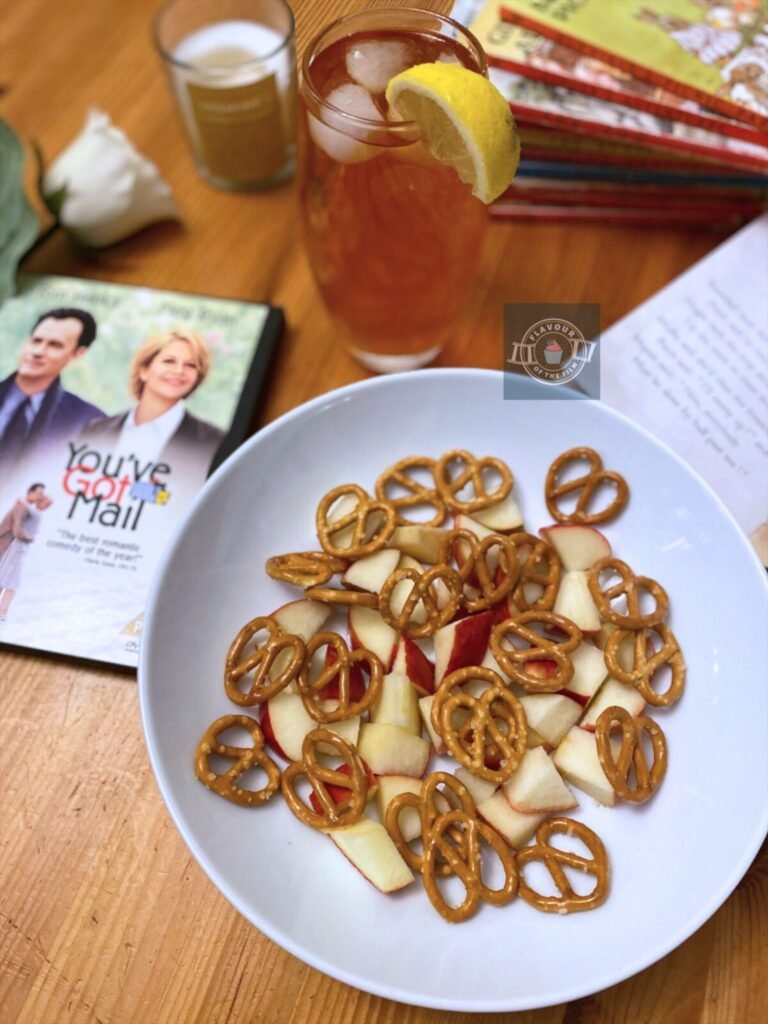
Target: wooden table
104, 916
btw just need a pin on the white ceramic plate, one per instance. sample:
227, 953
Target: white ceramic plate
673, 861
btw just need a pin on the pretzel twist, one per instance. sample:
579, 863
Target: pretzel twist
462, 855
261, 661
422, 592
470, 471
629, 587
567, 900
372, 523
646, 666
631, 754
440, 792
514, 661
354, 786
539, 568
586, 485
305, 568
244, 759
338, 672
416, 496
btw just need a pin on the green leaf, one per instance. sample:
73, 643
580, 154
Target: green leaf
18, 222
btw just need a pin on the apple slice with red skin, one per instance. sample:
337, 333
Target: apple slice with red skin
574, 601
577, 761
370, 573
536, 786
285, 722
340, 793
612, 694
550, 715
589, 671
461, 643
502, 517
369, 846
368, 630
578, 546
302, 618
517, 828
397, 703
413, 663
390, 750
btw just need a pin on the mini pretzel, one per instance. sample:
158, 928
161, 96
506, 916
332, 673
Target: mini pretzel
513, 661
305, 568
334, 814
491, 592
372, 523
588, 485
567, 900
421, 591
334, 595
439, 786
338, 672
245, 758
451, 547
647, 662
471, 470
628, 587
631, 754
417, 494
540, 567
261, 659
462, 855
490, 742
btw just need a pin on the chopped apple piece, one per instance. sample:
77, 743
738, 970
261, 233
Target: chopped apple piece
464, 522
589, 671
579, 546
575, 602
576, 759
479, 789
613, 694
514, 826
461, 643
347, 728
368, 845
367, 629
550, 715
302, 618
536, 786
502, 517
422, 542
285, 718
390, 750
391, 786
370, 573
413, 663
397, 704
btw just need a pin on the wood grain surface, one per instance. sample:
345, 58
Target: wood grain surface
104, 916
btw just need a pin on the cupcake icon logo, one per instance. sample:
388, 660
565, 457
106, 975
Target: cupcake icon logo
551, 350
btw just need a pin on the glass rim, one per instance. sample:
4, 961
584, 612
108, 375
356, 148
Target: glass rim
379, 125
286, 41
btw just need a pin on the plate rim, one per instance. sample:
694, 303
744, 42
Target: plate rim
275, 934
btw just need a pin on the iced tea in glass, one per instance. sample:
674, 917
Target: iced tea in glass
393, 235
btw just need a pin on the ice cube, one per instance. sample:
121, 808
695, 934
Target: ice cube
372, 64
333, 134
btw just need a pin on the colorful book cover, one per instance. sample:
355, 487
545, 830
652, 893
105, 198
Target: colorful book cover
714, 52
517, 49
116, 403
555, 107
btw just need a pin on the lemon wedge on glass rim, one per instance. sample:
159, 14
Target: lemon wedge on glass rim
464, 121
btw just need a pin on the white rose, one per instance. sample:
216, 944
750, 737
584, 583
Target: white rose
110, 191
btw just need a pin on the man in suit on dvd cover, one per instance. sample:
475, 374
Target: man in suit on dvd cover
35, 409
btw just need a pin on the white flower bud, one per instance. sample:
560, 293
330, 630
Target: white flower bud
110, 190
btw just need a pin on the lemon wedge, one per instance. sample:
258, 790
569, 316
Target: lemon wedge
464, 122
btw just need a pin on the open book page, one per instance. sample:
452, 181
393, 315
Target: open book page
691, 365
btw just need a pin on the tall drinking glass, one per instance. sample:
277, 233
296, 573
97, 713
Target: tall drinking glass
393, 235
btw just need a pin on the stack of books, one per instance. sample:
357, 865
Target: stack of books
632, 111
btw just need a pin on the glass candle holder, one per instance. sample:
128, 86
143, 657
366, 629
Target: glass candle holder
232, 69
